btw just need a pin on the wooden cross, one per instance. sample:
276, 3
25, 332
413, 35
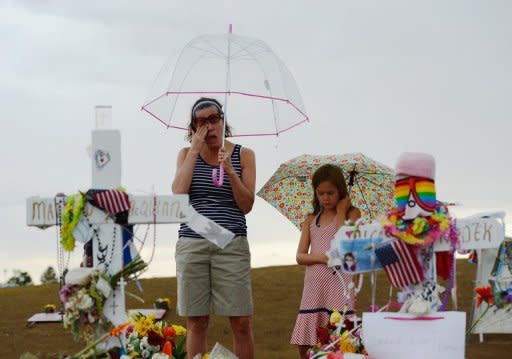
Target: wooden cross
107, 241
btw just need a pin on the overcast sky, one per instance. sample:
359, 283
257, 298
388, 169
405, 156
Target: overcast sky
377, 77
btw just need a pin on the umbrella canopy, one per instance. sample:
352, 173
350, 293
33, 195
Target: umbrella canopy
370, 184
259, 94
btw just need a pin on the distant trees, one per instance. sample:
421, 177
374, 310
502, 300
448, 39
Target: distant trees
19, 279
49, 276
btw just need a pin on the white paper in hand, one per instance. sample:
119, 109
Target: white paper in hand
208, 229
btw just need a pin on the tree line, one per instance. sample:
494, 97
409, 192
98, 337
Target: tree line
21, 278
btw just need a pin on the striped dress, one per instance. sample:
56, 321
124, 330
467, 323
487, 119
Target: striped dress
218, 204
323, 290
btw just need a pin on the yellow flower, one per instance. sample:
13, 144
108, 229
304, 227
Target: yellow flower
444, 224
346, 344
144, 324
206, 356
335, 317
179, 329
418, 225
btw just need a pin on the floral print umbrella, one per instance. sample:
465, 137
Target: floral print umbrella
370, 183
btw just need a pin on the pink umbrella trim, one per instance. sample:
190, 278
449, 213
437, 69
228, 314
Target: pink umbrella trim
277, 133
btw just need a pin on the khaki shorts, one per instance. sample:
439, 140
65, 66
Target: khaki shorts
212, 280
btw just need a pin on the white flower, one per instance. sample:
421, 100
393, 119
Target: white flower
69, 306
91, 318
79, 276
85, 302
104, 287
144, 343
160, 356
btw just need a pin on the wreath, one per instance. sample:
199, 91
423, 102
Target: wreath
422, 231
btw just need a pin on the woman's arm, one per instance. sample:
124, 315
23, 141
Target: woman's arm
303, 256
243, 187
184, 169
187, 161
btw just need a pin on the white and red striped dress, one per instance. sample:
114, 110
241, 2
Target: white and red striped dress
323, 290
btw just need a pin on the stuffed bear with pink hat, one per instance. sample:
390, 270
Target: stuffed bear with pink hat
418, 220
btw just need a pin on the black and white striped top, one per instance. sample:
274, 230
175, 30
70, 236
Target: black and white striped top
216, 203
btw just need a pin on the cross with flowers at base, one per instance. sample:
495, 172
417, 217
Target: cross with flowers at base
107, 239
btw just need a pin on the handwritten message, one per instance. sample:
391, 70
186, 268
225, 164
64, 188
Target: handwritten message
402, 336
145, 209
474, 233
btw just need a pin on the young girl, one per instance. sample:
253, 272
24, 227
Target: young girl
323, 290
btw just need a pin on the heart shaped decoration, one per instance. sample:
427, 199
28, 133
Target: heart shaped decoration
102, 158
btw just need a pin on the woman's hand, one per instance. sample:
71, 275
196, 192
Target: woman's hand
225, 157
198, 139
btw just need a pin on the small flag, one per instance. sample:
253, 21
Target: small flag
111, 201
400, 263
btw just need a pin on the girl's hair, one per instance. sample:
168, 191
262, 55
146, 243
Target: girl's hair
201, 104
332, 174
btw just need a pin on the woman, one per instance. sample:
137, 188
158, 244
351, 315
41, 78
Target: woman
211, 278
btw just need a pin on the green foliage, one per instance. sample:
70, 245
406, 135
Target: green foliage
179, 351
19, 279
49, 276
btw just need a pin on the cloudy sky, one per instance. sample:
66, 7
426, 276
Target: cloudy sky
377, 77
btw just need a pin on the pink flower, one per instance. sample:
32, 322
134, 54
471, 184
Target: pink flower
66, 292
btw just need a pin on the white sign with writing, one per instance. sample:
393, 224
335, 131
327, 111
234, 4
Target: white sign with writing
474, 233
405, 336
145, 209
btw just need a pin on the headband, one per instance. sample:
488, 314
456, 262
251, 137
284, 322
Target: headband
205, 103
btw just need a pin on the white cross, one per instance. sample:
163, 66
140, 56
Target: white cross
107, 244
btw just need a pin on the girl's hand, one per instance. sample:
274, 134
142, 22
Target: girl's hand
225, 158
199, 139
343, 205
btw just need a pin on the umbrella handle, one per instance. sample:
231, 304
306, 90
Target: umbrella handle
218, 181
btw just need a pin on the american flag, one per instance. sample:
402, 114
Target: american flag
111, 201
400, 263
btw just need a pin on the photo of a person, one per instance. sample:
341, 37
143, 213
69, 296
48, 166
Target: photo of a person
349, 262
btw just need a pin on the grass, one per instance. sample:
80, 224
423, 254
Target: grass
277, 293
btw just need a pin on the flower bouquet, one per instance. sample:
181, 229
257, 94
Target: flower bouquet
497, 296
83, 297
341, 336
144, 337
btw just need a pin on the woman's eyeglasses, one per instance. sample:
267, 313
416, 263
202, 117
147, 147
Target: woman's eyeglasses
423, 191
212, 119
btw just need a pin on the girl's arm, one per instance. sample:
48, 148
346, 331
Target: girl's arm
303, 256
243, 187
344, 211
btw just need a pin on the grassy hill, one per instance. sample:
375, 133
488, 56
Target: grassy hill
277, 293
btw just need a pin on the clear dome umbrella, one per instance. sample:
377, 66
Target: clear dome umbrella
259, 94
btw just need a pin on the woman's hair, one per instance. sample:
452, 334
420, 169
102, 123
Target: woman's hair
332, 174
201, 104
